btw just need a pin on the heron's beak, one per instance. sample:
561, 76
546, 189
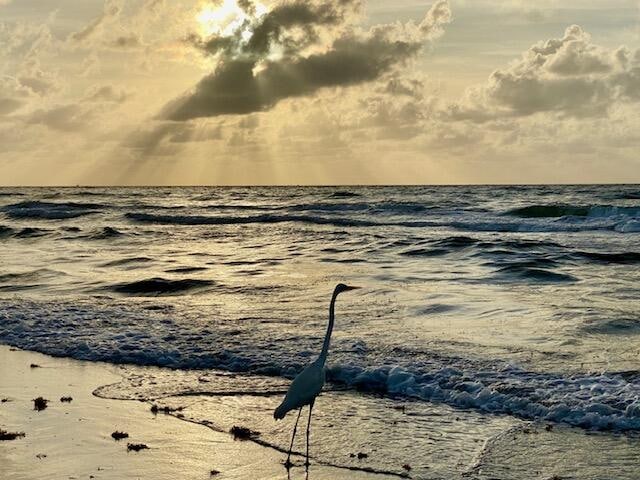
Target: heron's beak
351, 288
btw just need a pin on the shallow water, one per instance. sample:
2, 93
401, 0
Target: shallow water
505, 304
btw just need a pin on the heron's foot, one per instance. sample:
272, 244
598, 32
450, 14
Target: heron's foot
288, 464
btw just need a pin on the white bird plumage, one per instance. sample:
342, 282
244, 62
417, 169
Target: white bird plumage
309, 382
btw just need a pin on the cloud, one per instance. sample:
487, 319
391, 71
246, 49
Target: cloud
270, 58
569, 76
127, 41
66, 118
13, 95
112, 10
107, 93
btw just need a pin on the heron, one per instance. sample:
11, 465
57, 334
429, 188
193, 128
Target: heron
309, 382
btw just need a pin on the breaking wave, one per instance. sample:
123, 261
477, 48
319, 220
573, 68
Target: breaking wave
113, 333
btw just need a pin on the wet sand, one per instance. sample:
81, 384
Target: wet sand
72, 440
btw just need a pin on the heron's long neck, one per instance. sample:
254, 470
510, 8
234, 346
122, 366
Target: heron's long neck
327, 337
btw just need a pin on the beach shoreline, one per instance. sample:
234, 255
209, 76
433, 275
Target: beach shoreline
73, 439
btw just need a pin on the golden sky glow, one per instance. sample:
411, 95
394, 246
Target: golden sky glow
225, 17
323, 91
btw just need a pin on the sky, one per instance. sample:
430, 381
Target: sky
247, 92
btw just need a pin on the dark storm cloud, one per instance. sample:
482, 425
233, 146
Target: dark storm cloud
234, 87
278, 27
303, 14
248, 79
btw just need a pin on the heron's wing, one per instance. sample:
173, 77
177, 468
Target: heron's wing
305, 387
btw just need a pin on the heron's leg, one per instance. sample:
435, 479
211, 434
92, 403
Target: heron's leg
288, 464
308, 430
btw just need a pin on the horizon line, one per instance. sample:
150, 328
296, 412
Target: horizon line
354, 185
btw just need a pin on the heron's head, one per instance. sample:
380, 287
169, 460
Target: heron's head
341, 287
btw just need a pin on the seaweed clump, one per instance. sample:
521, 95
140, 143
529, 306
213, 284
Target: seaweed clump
155, 409
136, 447
243, 433
4, 435
359, 455
117, 435
40, 403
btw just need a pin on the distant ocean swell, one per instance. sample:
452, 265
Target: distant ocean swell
504, 260
532, 218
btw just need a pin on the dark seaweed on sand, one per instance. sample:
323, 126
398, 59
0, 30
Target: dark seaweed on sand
117, 435
66, 399
136, 447
40, 403
243, 433
4, 435
166, 410
359, 455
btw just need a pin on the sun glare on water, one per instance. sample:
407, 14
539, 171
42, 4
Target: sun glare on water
225, 17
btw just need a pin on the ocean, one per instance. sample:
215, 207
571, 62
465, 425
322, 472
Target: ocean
496, 333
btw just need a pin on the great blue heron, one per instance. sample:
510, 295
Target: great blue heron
308, 383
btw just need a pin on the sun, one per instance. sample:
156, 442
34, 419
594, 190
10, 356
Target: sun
225, 17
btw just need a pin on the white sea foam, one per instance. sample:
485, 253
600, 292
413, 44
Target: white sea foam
118, 334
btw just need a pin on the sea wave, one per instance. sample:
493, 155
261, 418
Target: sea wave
6, 232
628, 195
479, 225
28, 275
620, 258
615, 326
119, 334
233, 220
50, 210
344, 194
527, 273
18, 281
106, 233
555, 211
161, 286
127, 261
31, 232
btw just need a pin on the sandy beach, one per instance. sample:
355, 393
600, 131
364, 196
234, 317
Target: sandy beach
73, 440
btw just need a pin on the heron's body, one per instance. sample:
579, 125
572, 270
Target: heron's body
309, 382
303, 390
